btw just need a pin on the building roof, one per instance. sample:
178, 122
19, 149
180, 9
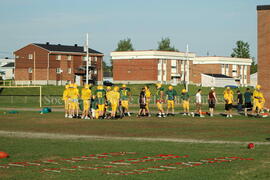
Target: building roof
263, 7
65, 48
9, 65
218, 75
150, 54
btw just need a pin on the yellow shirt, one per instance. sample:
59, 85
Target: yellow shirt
66, 94
86, 94
115, 96
226, 91
147, 93
74, 93
258, 96
228, 97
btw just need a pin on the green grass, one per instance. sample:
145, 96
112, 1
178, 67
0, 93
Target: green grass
21, 150
179, 127
210, 128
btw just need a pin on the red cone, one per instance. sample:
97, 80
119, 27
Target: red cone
3, 155
251, 146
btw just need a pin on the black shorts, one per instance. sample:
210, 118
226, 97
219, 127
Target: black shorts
248, 105
228, 107
142, 106
212, 103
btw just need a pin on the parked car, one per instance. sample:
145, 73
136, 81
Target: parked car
107, 83
231, 86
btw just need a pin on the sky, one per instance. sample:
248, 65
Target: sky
207, 26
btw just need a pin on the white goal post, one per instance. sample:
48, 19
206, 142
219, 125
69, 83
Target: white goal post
40, 90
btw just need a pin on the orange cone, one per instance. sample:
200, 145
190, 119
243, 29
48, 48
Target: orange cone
3, 155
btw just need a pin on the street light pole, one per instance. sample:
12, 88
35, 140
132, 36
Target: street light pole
87, 60
186, 71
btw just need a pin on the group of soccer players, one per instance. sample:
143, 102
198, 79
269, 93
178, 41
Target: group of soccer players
110, 101
99, 104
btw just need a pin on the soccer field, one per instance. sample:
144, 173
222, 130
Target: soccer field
49, 146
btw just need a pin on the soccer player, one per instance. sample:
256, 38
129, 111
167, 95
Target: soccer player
199, 102
160, 100
94, 107
170, 96
115, 97
148, 99
185, 101
66, 100
212, 99
142, 101
86, 97
124, 98
100, 95
239, 101
258, 100
108, 105
228, 98
247, 97
74, 105
76, 100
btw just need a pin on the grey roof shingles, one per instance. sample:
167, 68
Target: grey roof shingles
65, 48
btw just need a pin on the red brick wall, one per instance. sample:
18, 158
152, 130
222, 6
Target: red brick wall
264, 53
22, 64
198, 69
135, 70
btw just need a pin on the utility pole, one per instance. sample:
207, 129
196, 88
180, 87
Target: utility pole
187, 71
87, 59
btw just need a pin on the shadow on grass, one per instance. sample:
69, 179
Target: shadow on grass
268, 139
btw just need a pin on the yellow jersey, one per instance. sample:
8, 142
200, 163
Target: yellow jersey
74, 93
228, 98
114, 97
86, 94
65, 94
147, 93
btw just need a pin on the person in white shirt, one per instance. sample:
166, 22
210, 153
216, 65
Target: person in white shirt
199, 102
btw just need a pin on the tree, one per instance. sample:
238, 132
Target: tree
165, 45
253, 67
241, 50
124, 45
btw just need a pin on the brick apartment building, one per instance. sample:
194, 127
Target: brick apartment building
264, 50
175, 67
56, 64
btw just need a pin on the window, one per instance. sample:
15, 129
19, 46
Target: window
69, 70
30, 70
95, 59
58, 57
30, 56
17, 57
69, 57
59, 70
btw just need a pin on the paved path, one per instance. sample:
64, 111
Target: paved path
93, 137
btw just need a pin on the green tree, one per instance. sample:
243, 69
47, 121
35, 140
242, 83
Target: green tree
106, 68
253, 67
241, 50
124, 45
165, 45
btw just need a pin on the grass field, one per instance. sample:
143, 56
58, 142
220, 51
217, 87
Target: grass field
238, 129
